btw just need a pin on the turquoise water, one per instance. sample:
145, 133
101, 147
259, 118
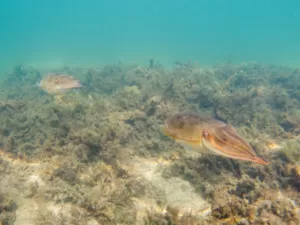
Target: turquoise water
95, 32
111, 151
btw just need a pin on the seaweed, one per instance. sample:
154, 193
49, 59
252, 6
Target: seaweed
87, 137
7, 209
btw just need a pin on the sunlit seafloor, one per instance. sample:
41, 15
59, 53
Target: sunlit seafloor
96, 154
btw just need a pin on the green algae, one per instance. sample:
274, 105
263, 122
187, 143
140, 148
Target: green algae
290, 153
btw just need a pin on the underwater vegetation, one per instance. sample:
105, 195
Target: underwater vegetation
97, 154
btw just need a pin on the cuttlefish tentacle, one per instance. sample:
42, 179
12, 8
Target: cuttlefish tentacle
209, 136
224, 141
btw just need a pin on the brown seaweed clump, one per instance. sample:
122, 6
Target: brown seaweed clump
7, 209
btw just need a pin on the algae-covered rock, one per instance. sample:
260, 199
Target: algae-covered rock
290, 152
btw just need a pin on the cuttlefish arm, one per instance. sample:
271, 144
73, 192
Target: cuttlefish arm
225, 141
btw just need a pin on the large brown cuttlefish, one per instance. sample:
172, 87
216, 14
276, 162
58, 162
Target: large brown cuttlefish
207, 135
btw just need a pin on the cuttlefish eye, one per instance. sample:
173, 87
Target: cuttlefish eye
56, 81
205, 133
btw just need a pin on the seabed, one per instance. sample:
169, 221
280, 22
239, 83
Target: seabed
97, 156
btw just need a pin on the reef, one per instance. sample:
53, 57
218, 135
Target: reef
97, 154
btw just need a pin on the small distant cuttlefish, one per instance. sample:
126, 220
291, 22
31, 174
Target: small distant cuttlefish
58, 83
209, 136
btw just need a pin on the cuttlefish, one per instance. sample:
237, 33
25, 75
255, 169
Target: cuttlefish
209, 136
57, 84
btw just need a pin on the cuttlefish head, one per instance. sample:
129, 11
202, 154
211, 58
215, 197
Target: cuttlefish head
224, 140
